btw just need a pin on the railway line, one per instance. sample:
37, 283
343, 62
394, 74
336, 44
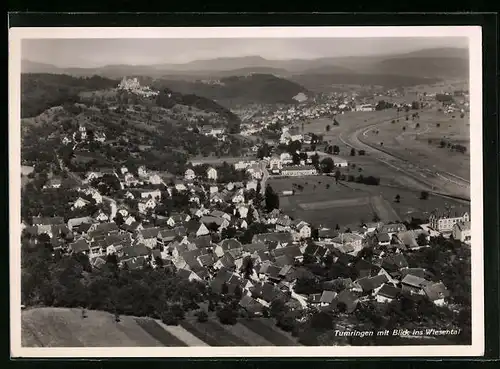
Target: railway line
420, 178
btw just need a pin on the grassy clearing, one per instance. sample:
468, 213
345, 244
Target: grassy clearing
269, 331
160, 334
247, 335
61, 327
212, 333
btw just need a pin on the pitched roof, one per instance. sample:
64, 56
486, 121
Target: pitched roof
201, 241
436, 291
349, 299
383, 237
255, 247
148, 233
370, 283
135, 251
327, 233
327, 297
290, 251
106, 227
207, 259
47, 220
79, 246
414, 281
283, 260
230, 244
389, 291
167, 235
282, 237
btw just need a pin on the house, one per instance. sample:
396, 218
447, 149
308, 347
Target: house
461, 231
129, 219
123, 212
445, 222
387, 293
275, 165
410, 239
189, 175
371, 284
243, 211
100, 216
144, 206
383, 239
188, 274
347, 300
327, 234
227, 245
413, 285
394, 262
351, 241
220, 214
212, 174
301, 170
155, 179
255, 171
213, 189
238, 198
293, 252
75, 222
80, 246
142, 171
105, 228
196, 228
327, 298
437, 293
216, 198
80, 203
391, 228
148, 237
66, 140
252, 185
273, 238
209, 220
151, 194
303, 230
177, 219
54, 182
252, 306
129, 195
123, 170
179, 186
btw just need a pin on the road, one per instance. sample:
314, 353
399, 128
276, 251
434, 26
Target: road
112, 202
265, 177
417, 177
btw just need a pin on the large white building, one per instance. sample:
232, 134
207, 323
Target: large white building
445, 223
461, 231
301, 170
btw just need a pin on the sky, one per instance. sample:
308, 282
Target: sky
99, 52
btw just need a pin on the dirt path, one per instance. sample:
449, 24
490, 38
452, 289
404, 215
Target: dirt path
384, 209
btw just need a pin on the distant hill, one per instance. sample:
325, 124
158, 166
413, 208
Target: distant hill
254, 88
42, 91
426, 67
327, 82
439, 63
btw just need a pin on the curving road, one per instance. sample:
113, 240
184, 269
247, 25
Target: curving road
417, 177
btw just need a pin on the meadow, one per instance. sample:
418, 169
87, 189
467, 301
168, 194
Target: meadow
56, 327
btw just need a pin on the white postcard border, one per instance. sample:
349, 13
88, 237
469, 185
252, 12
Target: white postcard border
473, 33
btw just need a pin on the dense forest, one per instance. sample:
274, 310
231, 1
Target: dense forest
255, 88
42, 91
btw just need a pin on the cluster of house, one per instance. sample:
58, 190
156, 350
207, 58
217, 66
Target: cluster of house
84, 135
278, 258
133, 85
211, 131
458, 226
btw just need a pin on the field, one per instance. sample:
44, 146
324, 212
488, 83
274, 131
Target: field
62, 327
322, 206
414, 141
348, 203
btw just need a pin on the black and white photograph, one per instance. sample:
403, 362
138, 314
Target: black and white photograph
272, 191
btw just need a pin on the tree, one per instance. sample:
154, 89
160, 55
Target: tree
404, 128
337, 175
271, 198
315, 160
353, 152
202, 316
361, 152
397, 198
327, 165
277, 308
421, 240
336, 149
228, 315
328, 128
424, 195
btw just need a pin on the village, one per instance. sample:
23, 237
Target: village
206, 228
